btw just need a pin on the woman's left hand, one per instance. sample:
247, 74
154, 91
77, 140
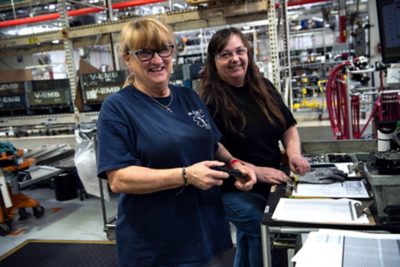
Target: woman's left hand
298, 164
247, 180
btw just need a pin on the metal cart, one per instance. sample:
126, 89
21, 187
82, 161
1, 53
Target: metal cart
88, 131
109, 222
12, 200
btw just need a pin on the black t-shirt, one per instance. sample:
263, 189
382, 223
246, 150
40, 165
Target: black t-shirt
260, 146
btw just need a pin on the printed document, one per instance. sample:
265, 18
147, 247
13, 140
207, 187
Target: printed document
339, 248
348, 189
336, 211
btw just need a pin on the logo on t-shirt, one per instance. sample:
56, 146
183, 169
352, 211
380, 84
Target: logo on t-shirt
199, 118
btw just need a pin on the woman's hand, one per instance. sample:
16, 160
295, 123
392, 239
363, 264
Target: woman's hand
291, 141
202, 176
248, 178
270, 175
298, 164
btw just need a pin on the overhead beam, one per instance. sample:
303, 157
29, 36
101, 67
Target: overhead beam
181, 21
46, 47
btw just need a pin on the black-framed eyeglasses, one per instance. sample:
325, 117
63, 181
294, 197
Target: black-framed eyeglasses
227, 55
147, 54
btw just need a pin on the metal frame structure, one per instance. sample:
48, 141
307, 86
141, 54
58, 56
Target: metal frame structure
213, 16
72, 37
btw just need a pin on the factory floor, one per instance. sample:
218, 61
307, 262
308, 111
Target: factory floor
73, 219
82, 218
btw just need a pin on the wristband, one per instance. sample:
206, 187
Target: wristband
233, 161
185, 179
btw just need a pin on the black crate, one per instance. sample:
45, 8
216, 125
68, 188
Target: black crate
12, 96
49, 93
97, 86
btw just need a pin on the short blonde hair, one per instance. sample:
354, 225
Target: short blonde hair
145, 33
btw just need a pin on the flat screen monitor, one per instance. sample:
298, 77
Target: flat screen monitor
389, 29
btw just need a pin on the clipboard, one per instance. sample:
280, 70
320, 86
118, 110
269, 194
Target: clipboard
322, 211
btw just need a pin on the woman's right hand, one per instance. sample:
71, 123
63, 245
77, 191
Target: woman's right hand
270, 175
201, 176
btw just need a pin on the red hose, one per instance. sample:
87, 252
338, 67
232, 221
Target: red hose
302, 2
386, 106
336, 102
355, 116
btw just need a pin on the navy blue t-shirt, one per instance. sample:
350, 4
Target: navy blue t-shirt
164, 228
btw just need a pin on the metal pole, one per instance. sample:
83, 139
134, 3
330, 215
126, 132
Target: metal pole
69, 55
287, 74
266, 245
113, 49
273, 36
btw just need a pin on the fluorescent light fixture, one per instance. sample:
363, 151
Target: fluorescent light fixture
180, 6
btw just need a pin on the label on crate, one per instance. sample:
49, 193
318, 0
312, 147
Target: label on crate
49, 93
12, 96
97, 86
95, 94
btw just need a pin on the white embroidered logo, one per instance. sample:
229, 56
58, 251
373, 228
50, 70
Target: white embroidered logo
199, 118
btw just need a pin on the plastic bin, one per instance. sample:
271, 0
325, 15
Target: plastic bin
66, 186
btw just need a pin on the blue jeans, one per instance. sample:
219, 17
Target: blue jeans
245, 211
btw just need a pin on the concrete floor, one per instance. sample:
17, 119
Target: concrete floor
63, 220
315, 131
73, 219
320, 130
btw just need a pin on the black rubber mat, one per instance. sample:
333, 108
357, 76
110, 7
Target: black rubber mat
57, 253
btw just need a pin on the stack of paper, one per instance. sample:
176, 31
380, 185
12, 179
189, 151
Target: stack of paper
332, 211
348, 189
334, 248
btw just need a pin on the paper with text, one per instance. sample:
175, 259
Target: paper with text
339, 248
336, 211
348, 189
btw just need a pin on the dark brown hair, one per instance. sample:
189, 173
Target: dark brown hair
217, 93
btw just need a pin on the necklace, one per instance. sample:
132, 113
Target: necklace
166, 107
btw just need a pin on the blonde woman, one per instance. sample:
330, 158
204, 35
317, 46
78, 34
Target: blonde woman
157, 144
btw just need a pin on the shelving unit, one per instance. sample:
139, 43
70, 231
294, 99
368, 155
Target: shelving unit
314, 51
192, 49
74, 39
299, 60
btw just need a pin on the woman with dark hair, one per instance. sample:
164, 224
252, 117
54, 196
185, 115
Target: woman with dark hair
253, 120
